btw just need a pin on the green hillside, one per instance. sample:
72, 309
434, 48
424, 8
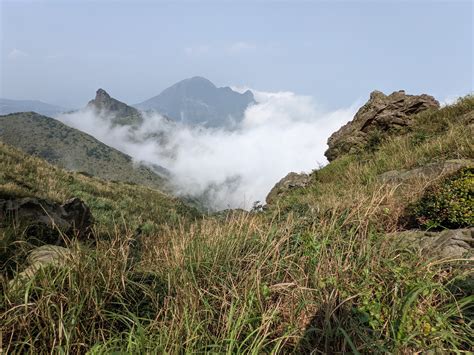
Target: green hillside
434, 136
112, 202
322, 269
72, 149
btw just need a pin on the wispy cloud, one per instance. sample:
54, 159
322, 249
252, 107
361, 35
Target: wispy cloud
240, 47
16, 53
450, 99
54, 56
197, 50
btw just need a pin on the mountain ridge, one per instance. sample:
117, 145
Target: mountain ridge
8, 106
73, 149
198, 101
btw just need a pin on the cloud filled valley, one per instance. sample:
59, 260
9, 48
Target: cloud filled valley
228, 168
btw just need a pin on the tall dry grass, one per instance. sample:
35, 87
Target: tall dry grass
314, 274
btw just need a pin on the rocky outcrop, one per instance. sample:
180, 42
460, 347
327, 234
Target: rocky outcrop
452, 243
429, 171
382, 115
45, 220
118, 112
289, 182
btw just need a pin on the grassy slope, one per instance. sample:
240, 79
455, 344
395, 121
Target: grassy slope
352, 180
111, 202
315, 273
72, 149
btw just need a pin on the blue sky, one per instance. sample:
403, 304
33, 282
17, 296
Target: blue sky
335, 51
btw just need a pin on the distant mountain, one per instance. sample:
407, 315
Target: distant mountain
11, 106
118, 112
198, 101
74, 150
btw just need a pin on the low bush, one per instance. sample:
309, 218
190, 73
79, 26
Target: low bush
449, 204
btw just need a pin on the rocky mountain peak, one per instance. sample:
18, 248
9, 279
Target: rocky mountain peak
102, 95
197, 101
103, 101
199, 80
119, 112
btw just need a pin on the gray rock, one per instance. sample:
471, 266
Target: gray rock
47, 255
383, 115
46, 220
41, 257
428, 171
289, 182
78, 215
452, 243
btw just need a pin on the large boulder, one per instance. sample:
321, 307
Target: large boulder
450, 243
45, 220
382, 115
41, 257
289, 182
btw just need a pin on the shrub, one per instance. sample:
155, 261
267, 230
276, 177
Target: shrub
374, 140
449, 204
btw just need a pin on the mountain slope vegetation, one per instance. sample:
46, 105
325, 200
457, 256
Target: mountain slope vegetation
319, 270
111, 202
73, 150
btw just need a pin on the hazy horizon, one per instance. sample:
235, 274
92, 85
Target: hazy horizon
336, 52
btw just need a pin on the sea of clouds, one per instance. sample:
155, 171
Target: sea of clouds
283, 132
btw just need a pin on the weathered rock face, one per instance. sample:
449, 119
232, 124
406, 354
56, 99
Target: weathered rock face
445, 244
429, 171
290, 181
45, 219
381, 114
119, 112
104, 102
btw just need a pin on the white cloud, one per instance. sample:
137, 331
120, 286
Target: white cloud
240, 47
15, 53
284, 132
449, 100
